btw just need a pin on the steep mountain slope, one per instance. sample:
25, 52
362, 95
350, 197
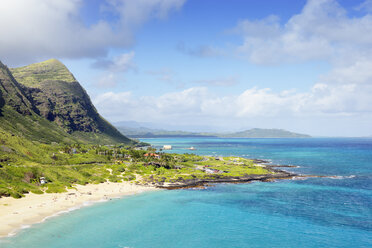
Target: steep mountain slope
12, 94
44, 102
19, 116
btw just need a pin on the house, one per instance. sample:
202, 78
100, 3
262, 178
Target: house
167, 147
43, 180
153, 155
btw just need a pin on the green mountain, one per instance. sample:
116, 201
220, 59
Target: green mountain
44, 102
265, 133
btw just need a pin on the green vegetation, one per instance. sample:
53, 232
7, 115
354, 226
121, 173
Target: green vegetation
52, 69
23, 163
45, 103
33, 127
191, 167
52, 138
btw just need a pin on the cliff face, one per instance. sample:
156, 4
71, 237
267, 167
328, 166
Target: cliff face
58, 96
67, 105
12, 94
49, 90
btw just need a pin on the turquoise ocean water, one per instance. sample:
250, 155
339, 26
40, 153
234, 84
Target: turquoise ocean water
317, 212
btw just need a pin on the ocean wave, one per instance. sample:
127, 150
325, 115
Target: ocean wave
299, 178
341, 177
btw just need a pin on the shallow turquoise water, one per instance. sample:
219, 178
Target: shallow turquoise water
319, 212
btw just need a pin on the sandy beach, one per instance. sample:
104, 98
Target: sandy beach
34, 208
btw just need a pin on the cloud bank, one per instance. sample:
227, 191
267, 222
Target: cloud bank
323, 31
39, 29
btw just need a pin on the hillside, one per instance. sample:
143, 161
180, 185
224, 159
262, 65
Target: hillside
19, 116
44, 102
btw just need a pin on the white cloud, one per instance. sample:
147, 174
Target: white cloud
107, 81
322, 31
114, 69
199, 103
39, 29
340, 100
359, 72
120, 63
106, 99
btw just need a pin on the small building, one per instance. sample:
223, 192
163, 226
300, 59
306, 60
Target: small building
154, 155
167, 147
43, 180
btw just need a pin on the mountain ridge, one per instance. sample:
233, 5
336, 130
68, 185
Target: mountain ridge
47, 95
146, 132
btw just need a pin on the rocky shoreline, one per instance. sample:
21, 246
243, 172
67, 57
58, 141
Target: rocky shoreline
275, 174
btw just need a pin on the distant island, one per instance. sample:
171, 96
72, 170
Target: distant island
265, 133
144, 132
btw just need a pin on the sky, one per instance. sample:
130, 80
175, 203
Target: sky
207, 65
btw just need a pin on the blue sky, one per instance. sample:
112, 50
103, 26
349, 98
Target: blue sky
205, 64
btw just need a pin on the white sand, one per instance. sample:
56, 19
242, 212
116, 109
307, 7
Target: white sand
34, 208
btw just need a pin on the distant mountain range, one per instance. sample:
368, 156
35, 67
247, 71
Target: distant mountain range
265, 133
136, 131
44, 102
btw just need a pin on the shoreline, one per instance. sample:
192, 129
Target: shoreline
277, 174
16, 214
195, 183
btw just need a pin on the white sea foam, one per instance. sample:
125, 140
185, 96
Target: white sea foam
299, 178
25, 226
341, 177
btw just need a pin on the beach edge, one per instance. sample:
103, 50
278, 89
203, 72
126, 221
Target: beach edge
17, 214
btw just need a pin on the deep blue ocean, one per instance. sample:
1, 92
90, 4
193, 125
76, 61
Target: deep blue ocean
316, 212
